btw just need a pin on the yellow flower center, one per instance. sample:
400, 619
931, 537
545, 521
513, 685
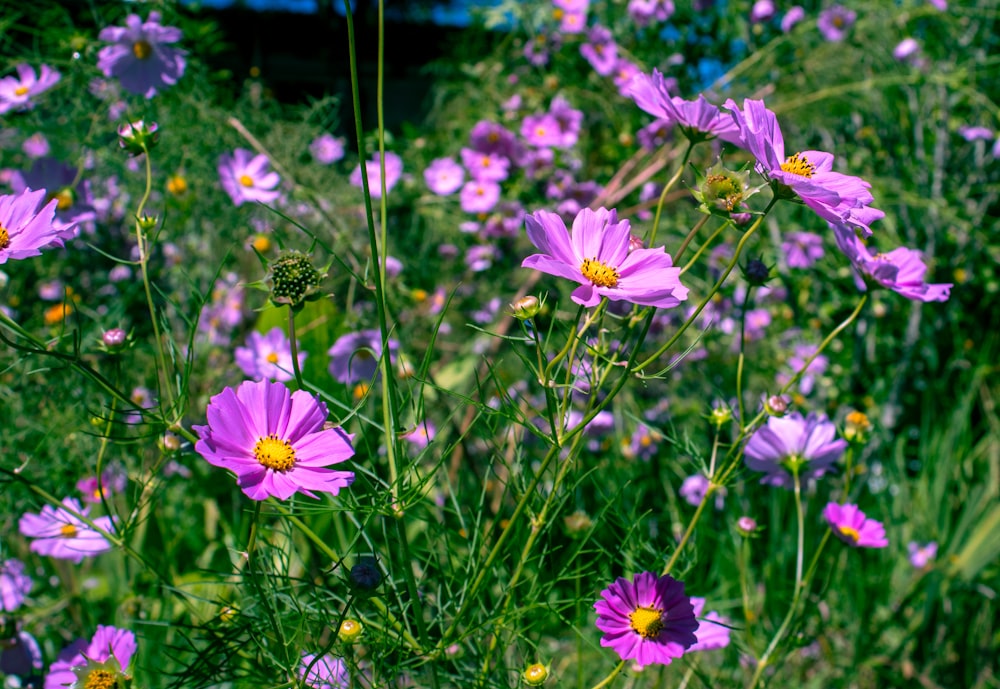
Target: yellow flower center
4, 238
177, 185
67, 531
142, 50
599, 273
839, 22
64, 198
274, 453
360, 390
272, 358
646, 622
100, 679
849, 533
246, 180
20, 90
799, 165
57, 313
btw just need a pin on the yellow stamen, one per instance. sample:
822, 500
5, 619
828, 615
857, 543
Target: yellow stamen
599, 273
177, 185
100, 679
4, 238
798, 164
20, 90
67, 531
360, 390
274, 453
246, 180
272, 358
142, 50
849, 533
64, 198
646, 622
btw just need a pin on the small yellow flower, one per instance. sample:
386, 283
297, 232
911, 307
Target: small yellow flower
177, 185
57, 313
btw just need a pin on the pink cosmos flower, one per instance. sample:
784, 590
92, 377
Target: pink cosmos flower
328, 672
790, 444
596, 255
393, 171
275, 441
74, 198
698, 118
850, 525
541, 129
644, 11
793, 16
112, 481
141, 56
648, 619
809, 175
834, 22
802, 249
444, 176
327, 149
921, 555
625, 72
712, 632
762, 11
354, 357
16, 92
60, 534
27, 227
14, 585
479, 196
268, 356
107, 642
600, 50
900, 270
245, 177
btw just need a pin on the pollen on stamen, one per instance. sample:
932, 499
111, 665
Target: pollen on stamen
272, 358
67, 531
4, 238
100, 679
599, 273
799, 165
142, 50
246, 180
850, 533
646, 622
20, 90
274, 453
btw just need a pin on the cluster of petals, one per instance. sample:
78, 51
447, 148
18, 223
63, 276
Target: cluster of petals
596, 254
267, 355
697, 118
902, 270
834, 22
27, 226
60, 532
14, 585
807, 446
107, 642
712, 632
649, 619
326, 672
851, 526
141, 56
16, 93
274, 440
373, 170
354, 356
246, 177
835, 197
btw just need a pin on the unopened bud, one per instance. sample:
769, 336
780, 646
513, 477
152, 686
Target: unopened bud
138, 137
350, 631
525, 308
720, 415
776, 405
535, 675
577, 523
366, 575
293, 279
114, 340
147, 223
746, 525
756, 272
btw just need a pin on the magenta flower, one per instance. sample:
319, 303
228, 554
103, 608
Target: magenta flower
906, 48
74, 199
479, 196
26, 227
648, 620
327, 149
793, 16
600, 50
141, 56
698, 119
16, 92
245, 177
444, 176
107, 642
486, 167
112, 481
921, 555
14, 585
802, 249
834, 22
393, 171
712, 632
809, 175
328, 672
596, 255
791, 444
541, 130
268, 356
490, 137
60, 534
644, 11
850, 525
625, 72
900, 270
275, 441
354, 356
762, 11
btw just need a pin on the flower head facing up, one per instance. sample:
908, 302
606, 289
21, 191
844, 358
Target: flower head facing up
268, 356
791, 445
596, 255
60, 534
245, 177
140, 55
850, 525
328, 672
16, 92
327, 149
275, 441
834, 22
14, 585
27, 227
648, 619
104, 659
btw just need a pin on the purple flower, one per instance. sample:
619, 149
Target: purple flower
107, 642
268, 356
26, 227
905, 49
16, 92
834, 22
444, 176
569, 120
490, 137
327, 149
901, 270
600, 50
60, 534
479, 196
793, 16
625, 72
140, 55
643, 11
541, 130
648, 620
762, 11
695, 487
328, 672
921, 555
712, 632
14, 585
275, 441
393, 171
808, 174
74, 200
791, 444
487, 167
939, 4
245, 177
94, 491
802, 249
480, 257
36, 146
21, 656
354, 356
596, 255
572, 15
698, 119
851, 526
974, 133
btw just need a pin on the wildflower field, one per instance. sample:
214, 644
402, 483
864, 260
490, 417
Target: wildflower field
660, 350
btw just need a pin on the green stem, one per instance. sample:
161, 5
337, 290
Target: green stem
296, 369
690, 235
611, 676
666, 190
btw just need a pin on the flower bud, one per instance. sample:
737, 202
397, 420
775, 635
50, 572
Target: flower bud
856, 427
756, 272
577, 523
147, 223
525, 308
366, 575
720, 415
293, 279
138, 137
724, 190
776, 405
535, 675
350, 630
746, 526
114, 340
